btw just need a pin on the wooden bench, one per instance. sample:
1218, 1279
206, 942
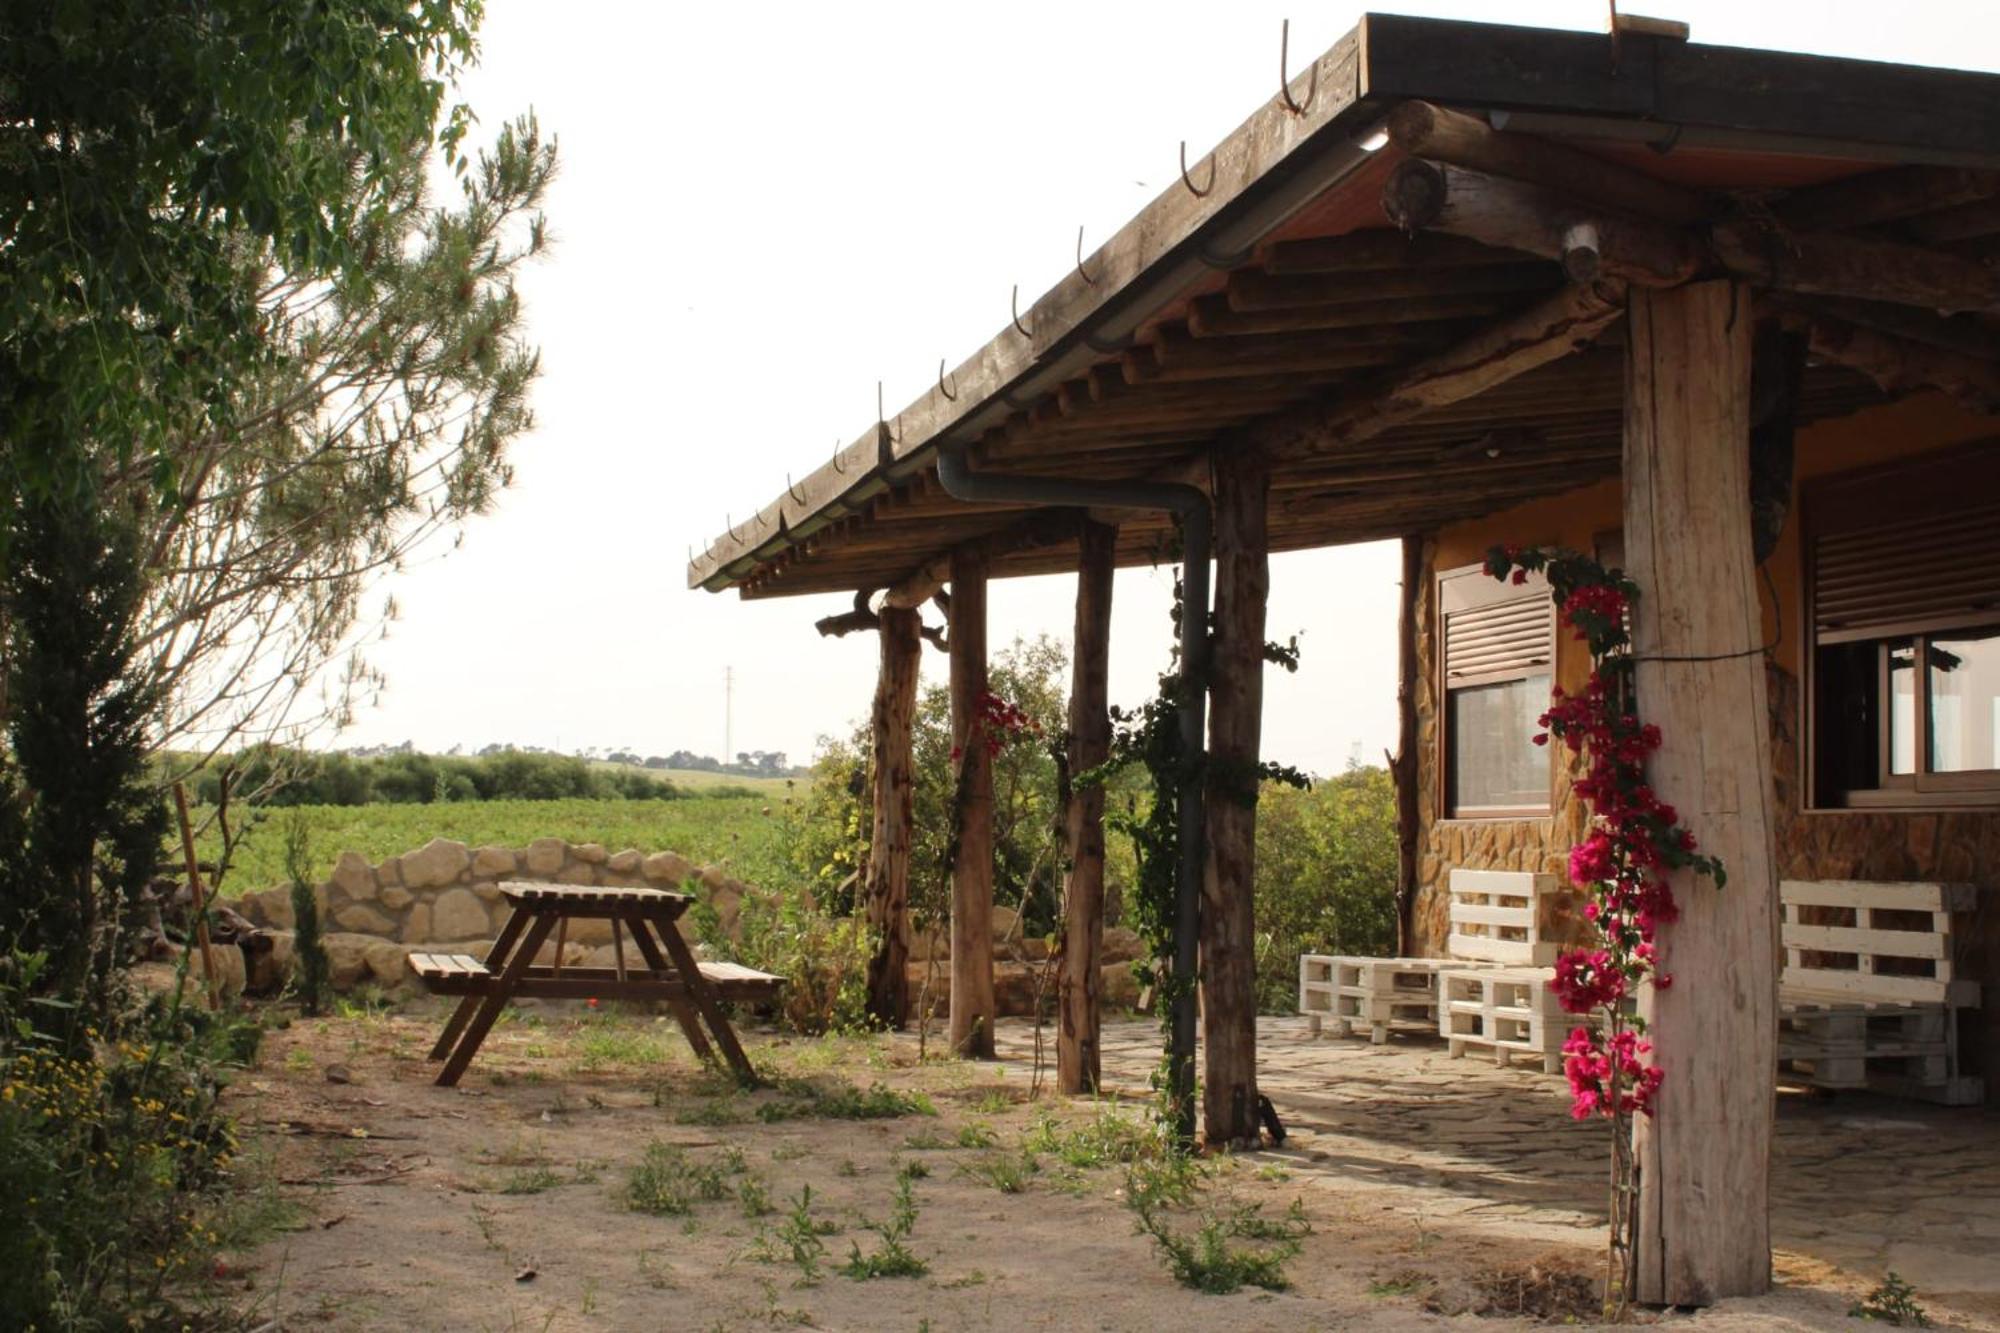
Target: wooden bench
1507, 1010
1868, 997
462, 974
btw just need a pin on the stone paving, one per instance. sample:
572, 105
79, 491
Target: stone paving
1860, 1182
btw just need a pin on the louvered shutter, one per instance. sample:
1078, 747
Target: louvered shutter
1494, 631
1904, 550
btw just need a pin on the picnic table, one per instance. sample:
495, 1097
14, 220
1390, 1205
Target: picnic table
665, 970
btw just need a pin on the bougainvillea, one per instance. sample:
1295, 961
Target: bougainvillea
996, 724
1635, 842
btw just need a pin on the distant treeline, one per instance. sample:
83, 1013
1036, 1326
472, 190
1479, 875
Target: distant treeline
308, 778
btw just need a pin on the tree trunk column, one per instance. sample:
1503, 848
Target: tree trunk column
893, 765
1403, 764
972, 868
1704, 1157
1077, 1067
1236, 694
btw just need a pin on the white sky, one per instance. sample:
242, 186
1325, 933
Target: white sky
764, 209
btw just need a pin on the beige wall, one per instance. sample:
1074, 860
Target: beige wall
1957, 845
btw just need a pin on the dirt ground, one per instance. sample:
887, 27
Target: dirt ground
504, 1203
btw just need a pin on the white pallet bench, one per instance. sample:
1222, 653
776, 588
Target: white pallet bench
1495, 921
1868, 998
1379, 994
1508, 1010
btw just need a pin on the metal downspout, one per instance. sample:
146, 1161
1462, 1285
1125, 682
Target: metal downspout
1191, 504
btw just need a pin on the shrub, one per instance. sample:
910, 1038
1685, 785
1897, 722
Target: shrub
311, 968
667, 1181
112, 1157
1326, 876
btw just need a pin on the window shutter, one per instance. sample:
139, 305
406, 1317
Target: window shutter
1916, 549
1495, 631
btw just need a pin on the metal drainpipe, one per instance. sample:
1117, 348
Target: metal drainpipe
962, 483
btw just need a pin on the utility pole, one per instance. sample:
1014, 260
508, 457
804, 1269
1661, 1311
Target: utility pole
728, 716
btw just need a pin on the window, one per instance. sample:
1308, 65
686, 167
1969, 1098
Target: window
1904, 588
1499, 650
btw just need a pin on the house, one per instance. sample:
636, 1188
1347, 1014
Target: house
1726, 316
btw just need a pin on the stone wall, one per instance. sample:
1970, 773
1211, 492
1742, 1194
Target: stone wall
446, 897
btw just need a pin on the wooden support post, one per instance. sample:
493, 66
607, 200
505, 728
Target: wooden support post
972, 869
893, 766
1077, 1066
1403, 764
1704, 1157
1236, 695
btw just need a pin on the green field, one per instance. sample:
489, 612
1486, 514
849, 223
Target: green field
740, 831
696, 779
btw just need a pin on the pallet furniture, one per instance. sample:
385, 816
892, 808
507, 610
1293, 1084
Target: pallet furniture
1868, 997
1507, 1010
1496, 919
665, 970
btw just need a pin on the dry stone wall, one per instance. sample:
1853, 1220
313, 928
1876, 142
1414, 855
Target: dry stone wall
445, 896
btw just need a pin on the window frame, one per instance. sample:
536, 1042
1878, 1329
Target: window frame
1500, 593
1894, 491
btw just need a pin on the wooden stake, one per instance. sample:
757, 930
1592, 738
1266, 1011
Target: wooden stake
1078, 1068
972, 1006
893, 765
1236, 700
1403, 764
1705, 1155
198, 899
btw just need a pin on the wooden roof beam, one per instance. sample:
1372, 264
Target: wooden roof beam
1884, 196
1047, 527
1551, 329
1899, 365
1422, 195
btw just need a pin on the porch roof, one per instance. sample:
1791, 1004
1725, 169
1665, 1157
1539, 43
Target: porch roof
1268, 302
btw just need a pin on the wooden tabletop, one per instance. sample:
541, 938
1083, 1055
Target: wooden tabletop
574, 897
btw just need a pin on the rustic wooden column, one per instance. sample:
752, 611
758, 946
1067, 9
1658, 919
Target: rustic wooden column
1236, 700
972, 869
1077, 1068
1403, 764
893, 766
1704, 1157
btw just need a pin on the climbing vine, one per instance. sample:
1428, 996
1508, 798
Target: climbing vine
1149, 737
1635, 842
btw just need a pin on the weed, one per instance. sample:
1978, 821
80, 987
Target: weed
521, 1152
1894, 1302
299, 1060
732, 1160
666, 1181
1402, 1282
530, 1180
754, 1195
711, 1113
914, 1170
802, 1098
1273, 1172
802, 1234
978, 1134
847, 1168
609, 1041
892, 1258
788, 1152
1107, 1139
1205, 1257
587, 1172
993, 1101
654, 1273
1006, 1172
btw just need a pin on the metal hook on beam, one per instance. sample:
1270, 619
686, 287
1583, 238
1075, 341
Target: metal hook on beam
1014, 309
1202, 191
950, 395
730, 524
792, 490
836, 459
1079, 257
1285, 73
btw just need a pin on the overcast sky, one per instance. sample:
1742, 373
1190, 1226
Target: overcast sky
763, 210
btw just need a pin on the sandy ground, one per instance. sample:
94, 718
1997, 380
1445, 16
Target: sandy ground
501, 1204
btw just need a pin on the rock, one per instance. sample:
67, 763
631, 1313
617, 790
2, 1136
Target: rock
272, 907
581, 873
390, 872
487, 893
353, 874
347, 958
1004, 921
494, 863
388, 962
628, 862
1117, 988
595, 930
437, 863
573, 953
923, 943
270, 967
338, 1074
1120, 946
592, 852
668, 868
364, 919
545, 856
397, 898
417, 925
231, 974
714, 877
458, 914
